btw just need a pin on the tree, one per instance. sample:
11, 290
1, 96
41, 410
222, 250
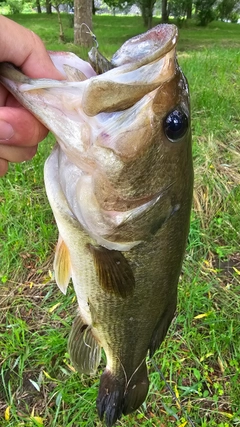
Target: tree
204, 11
48, 7
114, 3
189, 9
226, 9
164, 11
146, 7
38, 6
56, 4
119, 4
16, 6
180, 9
82, 15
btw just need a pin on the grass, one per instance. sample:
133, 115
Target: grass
200, 358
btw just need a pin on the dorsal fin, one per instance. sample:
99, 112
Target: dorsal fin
84, 350
62, 265
114, 272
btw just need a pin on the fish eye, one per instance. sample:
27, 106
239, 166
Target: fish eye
175, 125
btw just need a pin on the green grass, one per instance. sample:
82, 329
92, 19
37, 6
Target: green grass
200, 358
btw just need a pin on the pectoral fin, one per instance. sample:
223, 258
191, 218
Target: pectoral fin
84, 351
62, 265
114, 273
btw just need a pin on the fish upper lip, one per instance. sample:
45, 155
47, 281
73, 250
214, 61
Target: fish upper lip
160, 40
135, 75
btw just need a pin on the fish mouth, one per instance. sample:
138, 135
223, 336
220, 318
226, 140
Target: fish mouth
94, 111
103, 123
147, 47
141, 65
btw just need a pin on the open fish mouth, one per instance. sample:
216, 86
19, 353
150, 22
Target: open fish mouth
142, 64
103, 124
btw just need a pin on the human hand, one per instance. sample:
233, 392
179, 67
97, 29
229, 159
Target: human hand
20, 131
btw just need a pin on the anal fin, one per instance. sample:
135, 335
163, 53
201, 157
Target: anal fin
114, 272
62, 265
84, 350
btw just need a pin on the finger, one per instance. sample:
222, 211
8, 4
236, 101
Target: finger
25, 127
29, 52
3, 95
16, 154
3, 167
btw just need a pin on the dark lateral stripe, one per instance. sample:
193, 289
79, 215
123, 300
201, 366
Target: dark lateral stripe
114, 273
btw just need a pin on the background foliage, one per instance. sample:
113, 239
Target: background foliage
203, 11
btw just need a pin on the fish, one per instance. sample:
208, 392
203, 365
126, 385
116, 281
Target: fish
119, 181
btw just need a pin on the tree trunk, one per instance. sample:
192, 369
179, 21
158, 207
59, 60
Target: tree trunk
144, 16
93, 8
189, 9
150, 17
82, 15
38, 6
61, 33
143, 13
48, 7
146, 7
164, 12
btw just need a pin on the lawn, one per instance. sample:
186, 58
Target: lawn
199, 360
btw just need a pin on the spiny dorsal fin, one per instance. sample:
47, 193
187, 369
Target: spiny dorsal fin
114, 273
84, 351
62, 265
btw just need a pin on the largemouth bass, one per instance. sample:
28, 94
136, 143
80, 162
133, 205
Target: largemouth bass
119, 182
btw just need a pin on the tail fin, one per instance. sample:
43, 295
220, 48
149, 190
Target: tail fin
110, 398
115, 397
136, 391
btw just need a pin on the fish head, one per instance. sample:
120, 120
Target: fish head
124, 135
143, 143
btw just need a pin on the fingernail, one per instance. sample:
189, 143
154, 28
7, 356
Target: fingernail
6, 131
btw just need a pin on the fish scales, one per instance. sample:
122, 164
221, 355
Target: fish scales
119, 182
